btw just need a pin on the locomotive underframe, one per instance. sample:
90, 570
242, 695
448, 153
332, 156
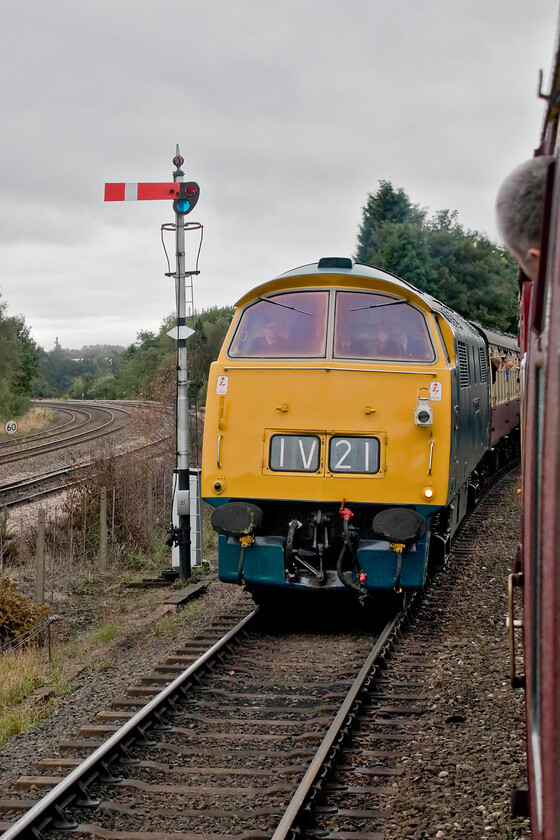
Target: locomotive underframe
307, 545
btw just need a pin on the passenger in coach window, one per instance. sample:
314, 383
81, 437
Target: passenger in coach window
519, 212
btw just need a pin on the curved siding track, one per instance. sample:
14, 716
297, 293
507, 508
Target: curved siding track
41, 462
77, 425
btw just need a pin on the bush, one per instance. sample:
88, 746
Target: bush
8, 540
18, 615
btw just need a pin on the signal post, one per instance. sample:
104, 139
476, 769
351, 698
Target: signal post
188, 196
185, 196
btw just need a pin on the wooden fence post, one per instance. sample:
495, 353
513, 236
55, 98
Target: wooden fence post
40, 558
103, 529
150, 511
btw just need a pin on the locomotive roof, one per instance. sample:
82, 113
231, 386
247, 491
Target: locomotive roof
342, 266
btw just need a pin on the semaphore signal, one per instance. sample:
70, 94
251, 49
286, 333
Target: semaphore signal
184, 195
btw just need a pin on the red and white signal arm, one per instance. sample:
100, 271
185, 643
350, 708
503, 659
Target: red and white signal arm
142, 192
11, 427
185, 194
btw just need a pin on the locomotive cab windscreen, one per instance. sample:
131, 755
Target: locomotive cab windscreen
366, 325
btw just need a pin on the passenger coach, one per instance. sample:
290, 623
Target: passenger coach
348, 418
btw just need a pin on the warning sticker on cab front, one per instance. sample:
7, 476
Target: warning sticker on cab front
221, 385
435, 390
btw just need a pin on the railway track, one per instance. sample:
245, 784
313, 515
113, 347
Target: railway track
78, 425
251, 724
261, 733
82, 424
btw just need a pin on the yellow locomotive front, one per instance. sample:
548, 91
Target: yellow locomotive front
327, 436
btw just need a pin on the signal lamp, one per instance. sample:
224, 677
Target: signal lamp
428, 493
189, 193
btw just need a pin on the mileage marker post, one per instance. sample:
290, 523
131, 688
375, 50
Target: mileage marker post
185, 196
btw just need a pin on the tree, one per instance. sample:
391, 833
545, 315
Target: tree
18, 363
462, 268
149, 367
59, 369
384, 208
210, 327
82, 387
29, 355
104, 388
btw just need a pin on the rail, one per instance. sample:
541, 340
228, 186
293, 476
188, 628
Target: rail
74, 785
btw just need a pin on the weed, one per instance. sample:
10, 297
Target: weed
138, 561
166, 627
22, 673
159, 551
35, 418
209, 536
197, 573
100, 636
14, 721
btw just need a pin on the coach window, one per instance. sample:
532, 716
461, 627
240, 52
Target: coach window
377, 326
288, 326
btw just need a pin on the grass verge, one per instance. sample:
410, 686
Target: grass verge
21, 674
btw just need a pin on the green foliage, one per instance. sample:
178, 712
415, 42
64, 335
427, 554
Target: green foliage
462, 268
82, 387
76, 372
29, 355
104, 388
149, 367
210, 328
102, 635
18, 615
142, 363
18, 361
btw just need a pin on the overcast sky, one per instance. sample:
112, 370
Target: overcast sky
287, 112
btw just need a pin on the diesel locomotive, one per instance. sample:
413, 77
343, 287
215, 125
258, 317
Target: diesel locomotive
350, 419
